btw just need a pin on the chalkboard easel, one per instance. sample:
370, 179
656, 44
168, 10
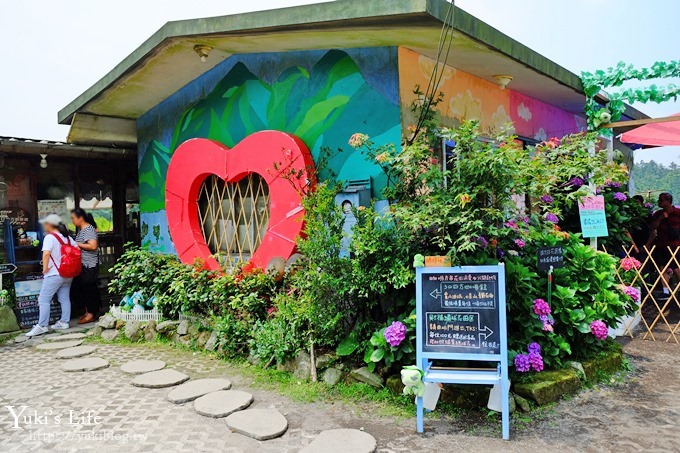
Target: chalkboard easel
461, 316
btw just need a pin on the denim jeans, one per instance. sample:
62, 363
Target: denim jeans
51, 285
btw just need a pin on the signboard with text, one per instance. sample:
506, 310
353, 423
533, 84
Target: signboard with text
460, 316
26, 302
593, 218
548, 257
460, 309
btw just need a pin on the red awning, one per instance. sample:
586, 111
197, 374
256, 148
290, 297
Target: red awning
655, 134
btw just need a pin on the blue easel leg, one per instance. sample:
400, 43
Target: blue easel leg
419, 414
505, 388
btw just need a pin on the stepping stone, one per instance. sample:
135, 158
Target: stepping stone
58, 345
260, 424
142, 366
21, 339
85, 364
65, 337
222, 403
78, 351
199, 387
49, 336
159, 379
342, 441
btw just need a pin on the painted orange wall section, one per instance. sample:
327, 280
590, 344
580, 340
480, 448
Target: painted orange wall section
467, 97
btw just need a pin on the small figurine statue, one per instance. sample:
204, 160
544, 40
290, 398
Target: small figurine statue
412, 378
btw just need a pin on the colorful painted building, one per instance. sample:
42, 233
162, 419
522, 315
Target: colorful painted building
196, 96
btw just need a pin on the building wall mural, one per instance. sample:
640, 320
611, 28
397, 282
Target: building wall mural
322, 97
470, 98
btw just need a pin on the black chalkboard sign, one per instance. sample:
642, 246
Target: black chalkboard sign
26, 302
550, 256
460, 312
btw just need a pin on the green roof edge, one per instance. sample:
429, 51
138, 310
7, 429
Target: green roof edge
339, 10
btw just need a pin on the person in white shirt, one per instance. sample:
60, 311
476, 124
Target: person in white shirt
53, 283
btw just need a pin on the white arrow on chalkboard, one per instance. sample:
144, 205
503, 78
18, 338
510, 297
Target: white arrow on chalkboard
436, 294
486, 332
7, 268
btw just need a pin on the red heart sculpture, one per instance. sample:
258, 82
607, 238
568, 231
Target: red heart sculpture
196, 159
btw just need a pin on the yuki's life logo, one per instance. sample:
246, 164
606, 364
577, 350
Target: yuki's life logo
23, 415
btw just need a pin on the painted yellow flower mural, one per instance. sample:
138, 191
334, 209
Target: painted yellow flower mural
501, 121
426, 66
464, 106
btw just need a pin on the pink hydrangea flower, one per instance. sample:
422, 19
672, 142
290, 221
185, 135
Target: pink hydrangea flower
536, 361
629, 263
599, 329
520, 243
511, 224
633, 293
395, 333
541, 307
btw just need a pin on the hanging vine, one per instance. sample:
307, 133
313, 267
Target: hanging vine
597, 115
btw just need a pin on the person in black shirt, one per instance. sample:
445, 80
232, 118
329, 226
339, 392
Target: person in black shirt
84, 290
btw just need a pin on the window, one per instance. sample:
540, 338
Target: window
234, 217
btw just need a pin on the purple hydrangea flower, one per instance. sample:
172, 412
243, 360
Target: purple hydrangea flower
541, 307
620, 196
576, 182
536, 361
548, 322
633, 293
613, 184
522, 364
599, 329
395, 333
534, 347
547, 199
500, 252
547, 319
520, 243
552, 218
482, 241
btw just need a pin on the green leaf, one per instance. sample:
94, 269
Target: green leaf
377, 355
583, 327
347, 346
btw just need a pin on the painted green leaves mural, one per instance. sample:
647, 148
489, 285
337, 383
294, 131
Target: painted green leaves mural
323, 105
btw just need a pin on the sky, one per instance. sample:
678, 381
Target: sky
51, 51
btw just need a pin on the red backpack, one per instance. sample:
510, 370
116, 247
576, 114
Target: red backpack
71, 264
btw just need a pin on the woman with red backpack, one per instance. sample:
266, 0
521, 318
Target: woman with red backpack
60, 262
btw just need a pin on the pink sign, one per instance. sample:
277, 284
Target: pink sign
594, 203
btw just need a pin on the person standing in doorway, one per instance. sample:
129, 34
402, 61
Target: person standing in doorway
84, 290
56, 233
665, 235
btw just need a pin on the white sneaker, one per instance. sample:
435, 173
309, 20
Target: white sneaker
60, 325
37, 330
